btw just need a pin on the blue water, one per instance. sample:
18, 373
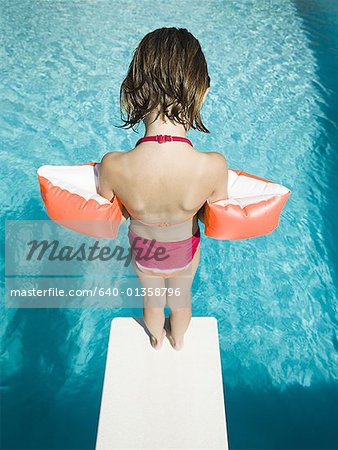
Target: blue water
272, 111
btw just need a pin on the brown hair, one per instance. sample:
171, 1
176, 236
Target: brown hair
168, 71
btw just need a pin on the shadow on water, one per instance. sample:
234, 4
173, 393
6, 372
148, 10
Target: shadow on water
45, 386
272, 419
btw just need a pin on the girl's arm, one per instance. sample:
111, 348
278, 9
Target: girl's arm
219, 171
105, 177
107, 173
220, 179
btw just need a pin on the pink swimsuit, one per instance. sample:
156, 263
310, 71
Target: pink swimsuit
166, 259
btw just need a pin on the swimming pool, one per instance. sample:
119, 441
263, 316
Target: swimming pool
272, 111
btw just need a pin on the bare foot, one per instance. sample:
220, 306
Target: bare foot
157, 344
177, 343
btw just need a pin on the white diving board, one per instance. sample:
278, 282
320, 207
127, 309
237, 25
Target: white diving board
162, 399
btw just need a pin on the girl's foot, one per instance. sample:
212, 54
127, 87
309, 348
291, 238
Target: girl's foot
177, 343
157, 344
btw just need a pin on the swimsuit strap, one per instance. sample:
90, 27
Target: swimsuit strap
162, 138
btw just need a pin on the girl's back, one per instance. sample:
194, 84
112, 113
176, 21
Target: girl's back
161, 182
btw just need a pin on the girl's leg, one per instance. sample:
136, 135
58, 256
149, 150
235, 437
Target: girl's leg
180, 307
153, 307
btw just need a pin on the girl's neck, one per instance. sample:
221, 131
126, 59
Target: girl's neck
162, 126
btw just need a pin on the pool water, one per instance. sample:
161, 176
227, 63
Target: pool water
272, 110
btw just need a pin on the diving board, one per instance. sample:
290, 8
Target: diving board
162, 399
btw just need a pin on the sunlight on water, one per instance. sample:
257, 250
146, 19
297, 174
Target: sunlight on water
62, 64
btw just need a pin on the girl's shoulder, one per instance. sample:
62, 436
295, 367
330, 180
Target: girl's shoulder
112, 155
110, 161
214, 160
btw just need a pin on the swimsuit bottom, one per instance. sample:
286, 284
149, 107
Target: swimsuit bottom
165, 259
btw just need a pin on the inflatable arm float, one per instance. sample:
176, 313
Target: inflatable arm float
253, 208
70, 196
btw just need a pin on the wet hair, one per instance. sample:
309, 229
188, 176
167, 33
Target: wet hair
168, 71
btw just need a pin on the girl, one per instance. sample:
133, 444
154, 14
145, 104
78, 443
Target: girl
163, 182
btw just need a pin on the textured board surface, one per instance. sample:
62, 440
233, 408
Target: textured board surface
162, 399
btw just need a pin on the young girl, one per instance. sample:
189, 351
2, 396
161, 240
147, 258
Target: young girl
163, 182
